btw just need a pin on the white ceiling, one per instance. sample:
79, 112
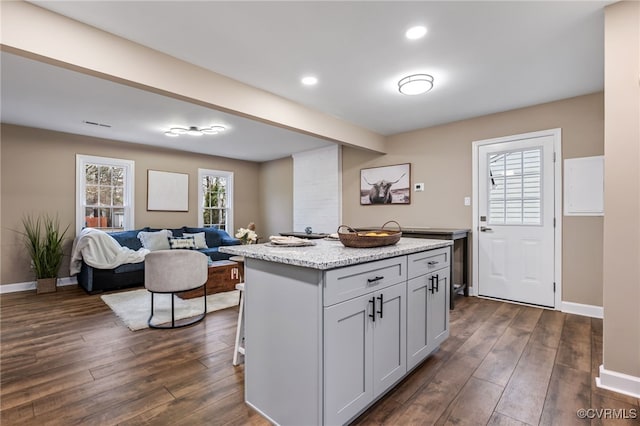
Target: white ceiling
39, 95
485, 57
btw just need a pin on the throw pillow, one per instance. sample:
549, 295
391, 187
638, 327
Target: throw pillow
158, 240
201, 242
188, 243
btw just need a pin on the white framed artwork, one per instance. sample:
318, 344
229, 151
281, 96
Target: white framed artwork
167, 191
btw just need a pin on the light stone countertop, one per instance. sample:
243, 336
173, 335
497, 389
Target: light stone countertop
331, 254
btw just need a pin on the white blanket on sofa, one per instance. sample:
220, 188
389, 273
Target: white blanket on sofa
99, 250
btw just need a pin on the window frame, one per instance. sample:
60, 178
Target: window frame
129, 187
230, 199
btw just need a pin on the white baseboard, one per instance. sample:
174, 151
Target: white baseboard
67, 281
584, 310
31, 285
618, 382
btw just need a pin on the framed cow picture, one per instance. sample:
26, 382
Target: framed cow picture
386, 185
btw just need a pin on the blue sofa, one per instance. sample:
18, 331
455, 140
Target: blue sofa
94, 280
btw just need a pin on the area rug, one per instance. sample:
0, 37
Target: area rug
134, 307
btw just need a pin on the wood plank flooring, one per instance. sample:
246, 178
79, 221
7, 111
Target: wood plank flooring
66, 359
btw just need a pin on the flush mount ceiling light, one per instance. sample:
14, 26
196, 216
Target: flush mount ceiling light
415, 84
194, 131
415, 33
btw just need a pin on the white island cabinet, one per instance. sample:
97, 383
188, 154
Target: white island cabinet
330, 329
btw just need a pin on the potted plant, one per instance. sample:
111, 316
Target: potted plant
44, 242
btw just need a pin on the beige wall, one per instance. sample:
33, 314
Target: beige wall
441, 158
276, 197
622, 190
38, 176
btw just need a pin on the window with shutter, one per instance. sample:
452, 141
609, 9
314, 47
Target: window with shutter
515, 187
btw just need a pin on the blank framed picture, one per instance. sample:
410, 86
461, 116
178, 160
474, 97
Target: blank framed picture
167, 191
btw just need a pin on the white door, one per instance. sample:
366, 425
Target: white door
516, 220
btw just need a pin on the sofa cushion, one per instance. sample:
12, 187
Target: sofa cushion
201, 242
158, 240
129, 267
211, 235
175, 232
128, 238
182, 243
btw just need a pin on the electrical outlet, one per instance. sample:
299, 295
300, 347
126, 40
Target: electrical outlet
418, 187
467, 201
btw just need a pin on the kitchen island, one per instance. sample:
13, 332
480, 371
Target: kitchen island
329, 329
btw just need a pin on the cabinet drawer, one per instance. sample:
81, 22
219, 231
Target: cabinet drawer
428, 261
352, 281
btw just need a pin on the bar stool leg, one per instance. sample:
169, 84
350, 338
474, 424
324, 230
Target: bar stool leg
239, 349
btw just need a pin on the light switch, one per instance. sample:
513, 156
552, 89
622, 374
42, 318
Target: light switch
418, 187
467, 201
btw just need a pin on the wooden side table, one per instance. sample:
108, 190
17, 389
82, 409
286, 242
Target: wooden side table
240, 261
222, 275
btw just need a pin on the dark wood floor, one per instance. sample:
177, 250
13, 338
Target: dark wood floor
66, 359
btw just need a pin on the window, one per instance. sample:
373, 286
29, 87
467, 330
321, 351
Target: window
216, 199
515, 187
104, 193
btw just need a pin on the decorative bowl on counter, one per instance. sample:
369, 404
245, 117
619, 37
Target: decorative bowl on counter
370, 238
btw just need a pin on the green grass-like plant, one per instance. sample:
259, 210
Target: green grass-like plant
44, 242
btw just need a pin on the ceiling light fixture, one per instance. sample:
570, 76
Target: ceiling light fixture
309, 80
213, 130
194, 131
415, 84
415, 33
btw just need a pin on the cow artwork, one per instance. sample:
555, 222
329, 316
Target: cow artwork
380, 192
385, 185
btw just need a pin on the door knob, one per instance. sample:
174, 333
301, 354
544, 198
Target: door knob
485, 229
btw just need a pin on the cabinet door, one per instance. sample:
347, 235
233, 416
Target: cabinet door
427, 314
348, 345
438, 309
418, 291
389, 338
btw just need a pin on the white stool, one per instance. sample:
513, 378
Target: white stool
239, 347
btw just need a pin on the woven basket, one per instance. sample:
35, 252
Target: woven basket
359, 239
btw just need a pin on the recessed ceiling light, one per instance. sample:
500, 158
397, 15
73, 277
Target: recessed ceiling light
309, 80
416, 32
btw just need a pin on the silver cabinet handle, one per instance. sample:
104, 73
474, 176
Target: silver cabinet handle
485, 229
432, 262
